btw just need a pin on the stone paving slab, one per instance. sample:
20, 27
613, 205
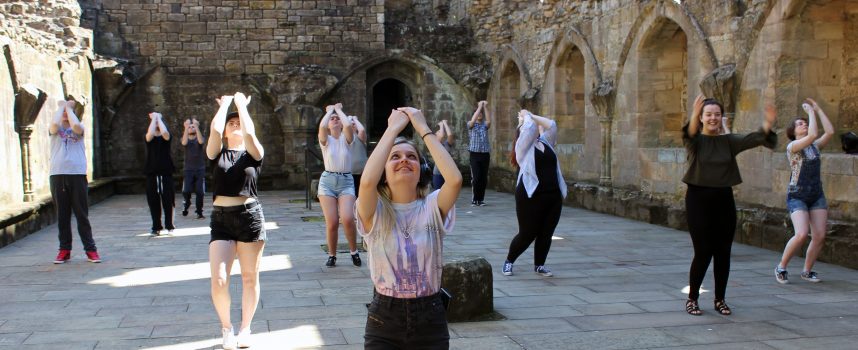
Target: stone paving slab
619, 284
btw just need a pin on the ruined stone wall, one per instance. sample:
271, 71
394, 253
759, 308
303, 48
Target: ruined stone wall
44, 51
656, 56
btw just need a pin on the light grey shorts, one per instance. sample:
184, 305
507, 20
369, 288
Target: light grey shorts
336, 184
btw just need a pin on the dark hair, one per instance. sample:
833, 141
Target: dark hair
512, 160
231, 115
712, 101
790, 129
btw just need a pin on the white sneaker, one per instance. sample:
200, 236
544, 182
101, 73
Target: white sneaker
244, 338
229, 341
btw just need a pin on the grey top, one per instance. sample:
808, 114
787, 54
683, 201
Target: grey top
195, 158
712, 159
68, 153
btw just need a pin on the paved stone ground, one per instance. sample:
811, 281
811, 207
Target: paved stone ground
618, 285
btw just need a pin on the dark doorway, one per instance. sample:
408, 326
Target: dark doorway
386, 95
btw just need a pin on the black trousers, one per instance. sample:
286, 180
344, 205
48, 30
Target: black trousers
537, 218
357, 184
161, 193
69, 193
479, 175
711, 216
194, 183
397, 323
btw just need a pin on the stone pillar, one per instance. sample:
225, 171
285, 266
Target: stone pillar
719, 84
602, 98
28, 102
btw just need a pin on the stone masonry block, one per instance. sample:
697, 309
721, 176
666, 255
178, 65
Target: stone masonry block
194, 28
138, 18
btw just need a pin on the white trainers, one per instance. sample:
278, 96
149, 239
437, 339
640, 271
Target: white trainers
244, 338
229, 341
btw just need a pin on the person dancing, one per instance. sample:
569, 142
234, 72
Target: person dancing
237, 220
711, 210
805, 197
404, 226
479, 148
539, 192
336, 185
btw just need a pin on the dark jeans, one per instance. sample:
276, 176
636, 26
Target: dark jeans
479, 175
69, 193
161, 193
394, 323
537, 218
711, 216
195, 182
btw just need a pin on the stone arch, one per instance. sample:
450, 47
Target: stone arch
662, 89
565, 92
664, 57
803, 49
650, 12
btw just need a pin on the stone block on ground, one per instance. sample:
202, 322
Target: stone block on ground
469, 279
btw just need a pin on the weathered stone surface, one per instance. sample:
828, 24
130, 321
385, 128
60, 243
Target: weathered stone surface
469, 280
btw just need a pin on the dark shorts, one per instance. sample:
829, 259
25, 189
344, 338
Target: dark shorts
394, 323
798, 204
242, 223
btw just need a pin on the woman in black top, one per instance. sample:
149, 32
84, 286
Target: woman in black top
237, 222
159, 174
711, 210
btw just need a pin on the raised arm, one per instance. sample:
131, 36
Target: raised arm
187, 125
827, 127
196, 124
76, 125
361, 131
694, 120
347, 124
57, 120
441, 133
165, 134
153, 125
366, 203
452, 177
323, 125
487, 115
451, 138
476, 114
217, 126
812, 131
251, 143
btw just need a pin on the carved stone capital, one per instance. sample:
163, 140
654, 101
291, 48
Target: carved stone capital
29, 100
602, 99
719, 84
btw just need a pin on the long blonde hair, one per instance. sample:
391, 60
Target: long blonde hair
387, 218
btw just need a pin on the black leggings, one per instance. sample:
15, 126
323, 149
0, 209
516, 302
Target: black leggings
537, 218
711, 213
479, 175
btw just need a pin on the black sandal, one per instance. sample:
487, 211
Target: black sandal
692, 308
722, 308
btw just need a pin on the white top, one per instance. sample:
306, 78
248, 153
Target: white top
337, 154
68, 154
407, 262
528, 140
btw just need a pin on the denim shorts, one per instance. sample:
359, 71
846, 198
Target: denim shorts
240, 223
333, 184
796, 204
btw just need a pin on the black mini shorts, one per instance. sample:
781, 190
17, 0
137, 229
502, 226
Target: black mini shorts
242, 223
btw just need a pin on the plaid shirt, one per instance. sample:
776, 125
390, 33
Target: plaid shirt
479, 135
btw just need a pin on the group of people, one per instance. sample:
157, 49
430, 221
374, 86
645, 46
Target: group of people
403, 209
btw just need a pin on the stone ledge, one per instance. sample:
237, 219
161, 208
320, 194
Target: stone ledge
21, 220
763, 227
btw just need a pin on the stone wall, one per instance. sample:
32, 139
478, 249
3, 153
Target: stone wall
654, 57
45, 53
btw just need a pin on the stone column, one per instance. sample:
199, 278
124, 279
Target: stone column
602, 99
28, 102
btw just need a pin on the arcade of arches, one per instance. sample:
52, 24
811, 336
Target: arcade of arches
619, 77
